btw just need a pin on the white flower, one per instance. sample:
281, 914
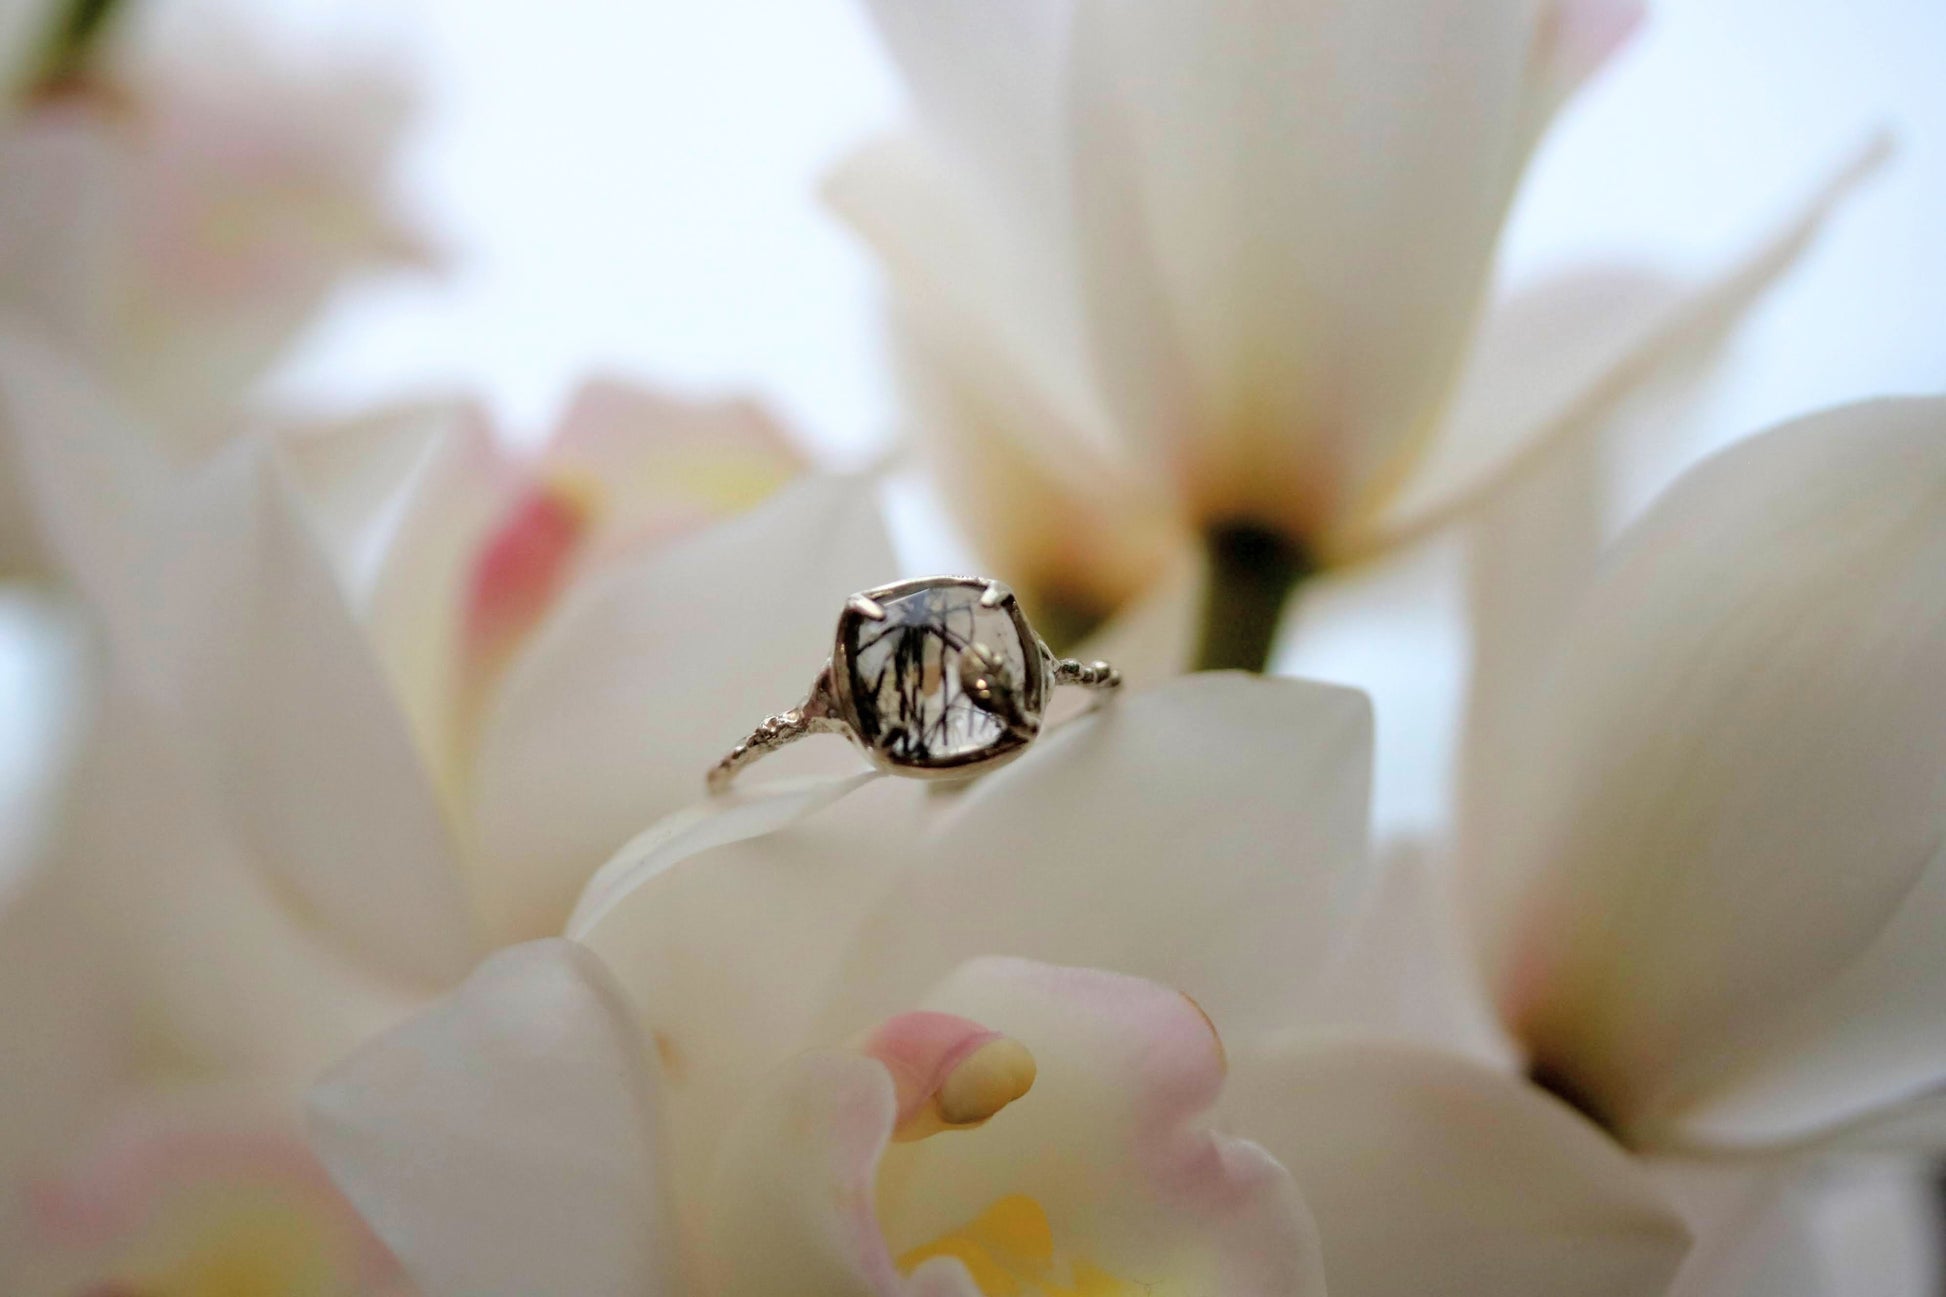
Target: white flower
1707, 865
412, 674
208, 1192
175, 218
1175, 275
720, 1086
327, 656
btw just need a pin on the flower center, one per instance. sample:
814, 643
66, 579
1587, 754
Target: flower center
1008, 1249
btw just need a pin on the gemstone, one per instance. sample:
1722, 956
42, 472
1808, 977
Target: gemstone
942, 679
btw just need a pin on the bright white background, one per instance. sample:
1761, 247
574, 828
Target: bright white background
629, 186
632, 186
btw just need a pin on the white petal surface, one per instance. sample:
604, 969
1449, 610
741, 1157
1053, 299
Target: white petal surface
728, 942
1556, 358
504, 1141
222, 974
1112, 1142
791, 1206
1204, 835
1804, 1228
226, 615
1315, 191
67, 1022
1400, 967
1719, 917
1431, 1174
650, 671
994, 394
1107, 1154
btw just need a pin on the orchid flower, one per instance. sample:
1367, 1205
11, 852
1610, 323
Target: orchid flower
735, 1077
1602, 678
174, 217
1702, 866
331, 660
1171, 279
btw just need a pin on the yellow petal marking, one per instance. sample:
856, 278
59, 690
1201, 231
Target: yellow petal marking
1008, 1250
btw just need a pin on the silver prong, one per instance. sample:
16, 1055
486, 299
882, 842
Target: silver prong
865, 607
995, 594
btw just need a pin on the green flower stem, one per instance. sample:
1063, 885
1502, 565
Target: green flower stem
1252, 572
72, 41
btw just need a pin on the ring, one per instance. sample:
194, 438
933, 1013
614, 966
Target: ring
938, 678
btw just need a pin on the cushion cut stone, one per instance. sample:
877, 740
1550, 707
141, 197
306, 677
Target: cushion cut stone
915, 676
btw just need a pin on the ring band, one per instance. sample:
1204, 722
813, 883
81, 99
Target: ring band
937, 678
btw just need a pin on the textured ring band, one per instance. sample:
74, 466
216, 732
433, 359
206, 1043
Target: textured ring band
938, 678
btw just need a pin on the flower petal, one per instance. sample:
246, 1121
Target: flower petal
790, 1208
504, 1141
1400, 968
1102, 846
190, 1188
712, 824
67, 1024
219, 973
1806, 1228
1743, 718
1103, 1169
994, 392
1430, 1173
1310, 293
728, 942
1559, 356
660, 465
225, 614
1111, 1143
645, 676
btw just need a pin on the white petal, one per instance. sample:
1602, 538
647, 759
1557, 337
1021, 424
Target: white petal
1400, 967
224, 612
1803, 1228
995, 391
1071, 528
1558, 357
650, 671
504, 1141
1109, 1151
1717, 920
67, 1023
728, 942
219, 972
1428, 1173
791, 1207
461, 486
1112, 1141
986, 81
1315, 197
701, 828
1206, 835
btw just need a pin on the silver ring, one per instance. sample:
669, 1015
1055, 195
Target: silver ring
938, 678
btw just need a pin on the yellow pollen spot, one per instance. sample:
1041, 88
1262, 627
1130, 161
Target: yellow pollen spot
1008, 1250
987, 1080
232, 1246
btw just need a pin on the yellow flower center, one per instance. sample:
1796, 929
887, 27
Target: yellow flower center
1008, 1249
237, 1244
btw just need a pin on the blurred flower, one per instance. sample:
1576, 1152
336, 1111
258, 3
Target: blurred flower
415, 673
733, 1082
176, 215
1707, 882
198, 1198
1210, 276
322, 645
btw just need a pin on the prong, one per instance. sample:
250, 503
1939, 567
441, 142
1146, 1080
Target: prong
866, 607
995, 594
